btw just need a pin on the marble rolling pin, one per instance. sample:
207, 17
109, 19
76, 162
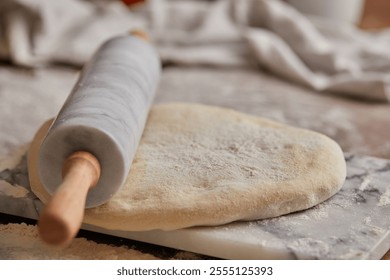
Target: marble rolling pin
87, 152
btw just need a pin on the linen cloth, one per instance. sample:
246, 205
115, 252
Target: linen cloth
315, 52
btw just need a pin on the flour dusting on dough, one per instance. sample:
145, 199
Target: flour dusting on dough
205, 165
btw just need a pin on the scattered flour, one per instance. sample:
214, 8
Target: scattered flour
21, 242
372, 229
366, 183
384, 200
321, 212
367, 220
309, 248
376, 230
354, 254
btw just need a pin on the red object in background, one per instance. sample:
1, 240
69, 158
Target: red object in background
132, 2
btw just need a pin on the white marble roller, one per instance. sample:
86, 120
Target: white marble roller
104, 115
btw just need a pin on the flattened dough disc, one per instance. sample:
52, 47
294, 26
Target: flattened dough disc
203, 165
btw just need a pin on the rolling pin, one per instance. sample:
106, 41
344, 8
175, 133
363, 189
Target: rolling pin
87, 152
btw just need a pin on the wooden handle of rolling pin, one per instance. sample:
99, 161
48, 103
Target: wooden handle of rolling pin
61, 218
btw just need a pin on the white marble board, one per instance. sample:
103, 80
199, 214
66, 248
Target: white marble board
354, 224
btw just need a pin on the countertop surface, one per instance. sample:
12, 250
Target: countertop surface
353, 224
27, 98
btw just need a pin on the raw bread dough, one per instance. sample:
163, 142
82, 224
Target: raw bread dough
203, 165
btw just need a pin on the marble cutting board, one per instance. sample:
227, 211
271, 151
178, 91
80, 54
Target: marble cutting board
353, 224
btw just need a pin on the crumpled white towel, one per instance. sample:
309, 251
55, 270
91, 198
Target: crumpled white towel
34, 32
314, 52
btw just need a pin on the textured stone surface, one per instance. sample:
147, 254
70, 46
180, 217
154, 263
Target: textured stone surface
28, 98
353, 224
